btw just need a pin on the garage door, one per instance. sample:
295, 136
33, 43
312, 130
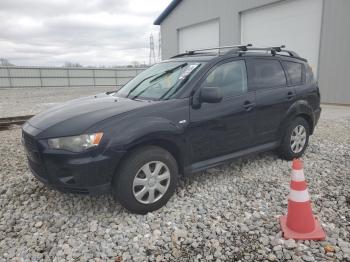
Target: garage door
297, 24
198, 36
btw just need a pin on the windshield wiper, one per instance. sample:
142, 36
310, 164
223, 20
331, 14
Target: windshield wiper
133, 89
169, 71
142, 91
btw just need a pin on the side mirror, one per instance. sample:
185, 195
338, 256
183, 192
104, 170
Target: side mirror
210, 94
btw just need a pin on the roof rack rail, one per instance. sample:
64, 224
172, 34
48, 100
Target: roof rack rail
236, 48
188, 53
240, 49
274, 50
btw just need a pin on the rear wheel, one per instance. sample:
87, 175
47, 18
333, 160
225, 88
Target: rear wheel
146, 180
295, 140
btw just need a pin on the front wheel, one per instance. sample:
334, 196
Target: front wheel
146, 180
295, 140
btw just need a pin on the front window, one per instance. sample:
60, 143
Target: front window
230, 77
159, 82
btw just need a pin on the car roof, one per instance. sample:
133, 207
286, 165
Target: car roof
207, 58
210, 56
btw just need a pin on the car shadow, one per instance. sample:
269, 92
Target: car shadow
72, 204
236, 165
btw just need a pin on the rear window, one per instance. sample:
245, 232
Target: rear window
266, 73
294, 71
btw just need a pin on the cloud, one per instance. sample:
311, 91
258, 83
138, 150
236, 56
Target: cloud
94, 32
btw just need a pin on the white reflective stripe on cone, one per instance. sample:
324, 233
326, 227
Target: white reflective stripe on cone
298, 175
299, 196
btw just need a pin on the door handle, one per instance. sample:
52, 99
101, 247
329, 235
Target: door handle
248, 105
290, 95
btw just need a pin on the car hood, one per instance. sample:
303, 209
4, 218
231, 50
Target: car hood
75, 116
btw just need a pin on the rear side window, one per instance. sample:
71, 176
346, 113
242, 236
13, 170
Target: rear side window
231, 77
294, 71
266, 73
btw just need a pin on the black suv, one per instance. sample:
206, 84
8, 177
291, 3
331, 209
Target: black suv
186, 114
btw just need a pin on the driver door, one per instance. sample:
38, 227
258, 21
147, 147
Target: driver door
221, 128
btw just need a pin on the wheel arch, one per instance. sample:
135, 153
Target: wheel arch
298, 109
309, 121
165, 144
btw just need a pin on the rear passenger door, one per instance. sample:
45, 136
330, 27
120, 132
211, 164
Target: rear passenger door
273, 96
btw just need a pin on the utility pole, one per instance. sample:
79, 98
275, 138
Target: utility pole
152, 55
159, 47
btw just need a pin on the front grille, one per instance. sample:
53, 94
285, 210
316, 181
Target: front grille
31, 148
29, 142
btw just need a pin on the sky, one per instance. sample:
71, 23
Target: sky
88, 32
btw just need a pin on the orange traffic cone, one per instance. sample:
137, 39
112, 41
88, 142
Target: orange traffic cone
299, 223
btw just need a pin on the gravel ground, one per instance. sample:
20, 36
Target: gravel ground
226, 213
32, 100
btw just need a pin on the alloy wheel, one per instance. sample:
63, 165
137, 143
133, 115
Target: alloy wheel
151, 182
298, 139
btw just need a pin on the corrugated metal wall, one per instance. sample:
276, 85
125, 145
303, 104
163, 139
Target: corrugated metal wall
15, 76
192, 12
333, 65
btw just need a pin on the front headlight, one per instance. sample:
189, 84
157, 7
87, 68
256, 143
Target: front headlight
75, 143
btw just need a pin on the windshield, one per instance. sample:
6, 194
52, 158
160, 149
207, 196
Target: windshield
159, 82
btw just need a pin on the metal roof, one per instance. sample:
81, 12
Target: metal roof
167, 11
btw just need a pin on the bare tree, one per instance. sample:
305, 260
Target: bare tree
135, 63
70, 64
5, 62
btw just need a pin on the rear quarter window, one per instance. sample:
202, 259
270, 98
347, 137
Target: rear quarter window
266, 73
294, 71
309, 76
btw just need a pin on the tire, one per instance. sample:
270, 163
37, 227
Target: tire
131, 180
286, 149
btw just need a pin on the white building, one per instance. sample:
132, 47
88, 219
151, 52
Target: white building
318, 30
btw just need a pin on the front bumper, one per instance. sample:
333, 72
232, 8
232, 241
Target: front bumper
93, 177
86, 173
